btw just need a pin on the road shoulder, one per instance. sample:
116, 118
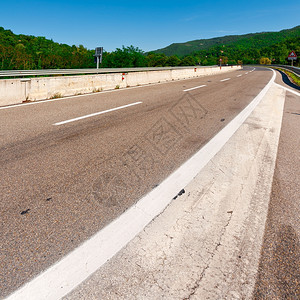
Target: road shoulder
279, 268
207, 242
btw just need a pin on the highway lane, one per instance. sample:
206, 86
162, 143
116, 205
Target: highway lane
61, 184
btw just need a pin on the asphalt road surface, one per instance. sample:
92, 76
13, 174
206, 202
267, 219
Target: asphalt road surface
63, 181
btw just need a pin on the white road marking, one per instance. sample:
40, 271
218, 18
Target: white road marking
196, 87
289, 90
74, 268
96, 114
246, 73
239, 75
225, 79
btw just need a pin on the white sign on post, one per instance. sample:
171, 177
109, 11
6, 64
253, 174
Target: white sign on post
292, 56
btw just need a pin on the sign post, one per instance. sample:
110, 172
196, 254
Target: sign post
292, 56
98, 55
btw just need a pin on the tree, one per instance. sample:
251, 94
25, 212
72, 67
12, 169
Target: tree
125, 57
224, 60
189, 61
173, 61
264, 61
157, 60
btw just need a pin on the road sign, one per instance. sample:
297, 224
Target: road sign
292, 56
98, 55
98, 51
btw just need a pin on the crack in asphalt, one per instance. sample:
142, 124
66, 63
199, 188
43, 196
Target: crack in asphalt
198, 282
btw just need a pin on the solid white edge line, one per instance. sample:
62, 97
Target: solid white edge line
96, 114
74, 268
225, 79
287, 89
196, 87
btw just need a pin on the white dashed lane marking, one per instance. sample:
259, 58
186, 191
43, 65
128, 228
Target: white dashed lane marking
96, 114
196, 87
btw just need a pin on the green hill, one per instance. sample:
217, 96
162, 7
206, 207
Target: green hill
253, 40
19, 51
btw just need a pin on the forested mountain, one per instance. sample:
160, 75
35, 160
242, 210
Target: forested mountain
23, 52
252, 40
276, 53
30, 52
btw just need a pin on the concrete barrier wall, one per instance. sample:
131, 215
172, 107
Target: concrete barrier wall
14, 91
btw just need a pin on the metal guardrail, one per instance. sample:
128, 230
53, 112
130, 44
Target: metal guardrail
295, 70
51, 72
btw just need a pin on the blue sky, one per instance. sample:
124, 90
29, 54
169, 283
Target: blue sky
148, 25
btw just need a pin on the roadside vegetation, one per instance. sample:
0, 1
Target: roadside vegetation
23, 52
292, 76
